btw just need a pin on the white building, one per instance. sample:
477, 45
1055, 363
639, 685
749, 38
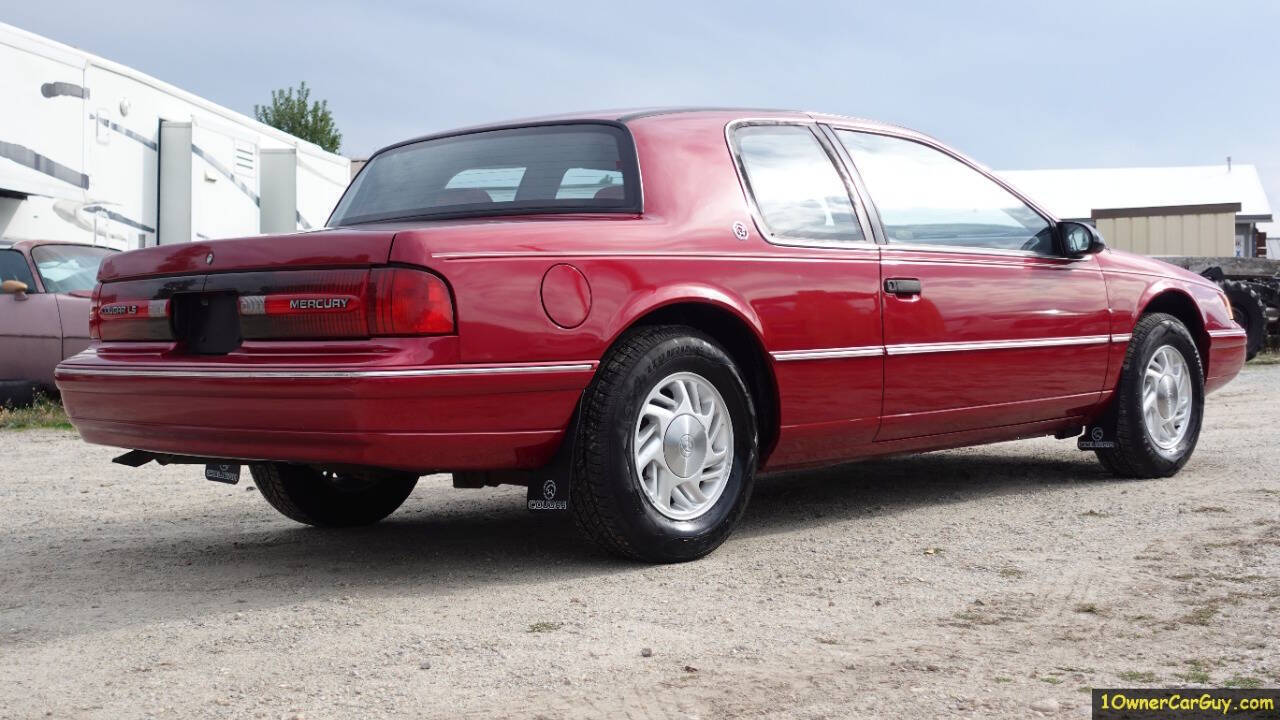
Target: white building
92, 151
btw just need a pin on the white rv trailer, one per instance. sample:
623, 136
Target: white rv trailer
95, 152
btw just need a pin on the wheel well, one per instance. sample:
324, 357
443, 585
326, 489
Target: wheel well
1184, 308
740, 341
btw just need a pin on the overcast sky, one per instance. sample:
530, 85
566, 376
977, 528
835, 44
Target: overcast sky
1026, 84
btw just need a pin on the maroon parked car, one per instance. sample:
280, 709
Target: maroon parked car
44, 311
633, 313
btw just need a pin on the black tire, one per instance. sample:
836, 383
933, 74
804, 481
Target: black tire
1135, 454
609, 505
1250, 312
328, 499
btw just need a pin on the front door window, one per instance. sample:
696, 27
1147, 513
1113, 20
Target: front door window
926, 197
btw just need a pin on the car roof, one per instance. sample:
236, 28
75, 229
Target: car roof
627, 115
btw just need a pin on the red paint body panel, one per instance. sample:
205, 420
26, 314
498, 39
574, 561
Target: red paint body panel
788, 301
972, 298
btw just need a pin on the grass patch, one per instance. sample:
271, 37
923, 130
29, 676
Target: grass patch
1088, 608
1243, 681
1137, 676
1195, 677
1003, 679
43, 413
1010, 572
1051, 680
1203, 614
540, 627
1266, 358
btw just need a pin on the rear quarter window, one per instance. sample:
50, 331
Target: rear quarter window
795, 184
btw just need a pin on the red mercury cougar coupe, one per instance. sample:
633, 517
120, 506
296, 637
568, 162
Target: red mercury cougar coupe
634, 313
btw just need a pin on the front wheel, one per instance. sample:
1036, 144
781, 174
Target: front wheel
326, 498
1159, 402
666, 451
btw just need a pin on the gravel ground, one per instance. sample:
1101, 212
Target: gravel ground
1000, 581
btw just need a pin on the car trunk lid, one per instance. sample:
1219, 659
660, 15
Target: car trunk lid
322, 249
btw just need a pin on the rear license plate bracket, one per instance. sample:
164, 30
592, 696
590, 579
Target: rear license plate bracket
207, 323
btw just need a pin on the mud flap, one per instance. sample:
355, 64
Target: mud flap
1101, 433
549, 494
549, 487
228, 473
1097, 437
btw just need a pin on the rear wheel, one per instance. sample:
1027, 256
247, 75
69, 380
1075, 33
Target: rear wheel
666, 451
1159, 402
1248, 310
331, 499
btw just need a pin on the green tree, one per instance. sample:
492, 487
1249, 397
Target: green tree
289, 111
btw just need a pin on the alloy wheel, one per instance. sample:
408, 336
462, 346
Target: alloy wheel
683, 446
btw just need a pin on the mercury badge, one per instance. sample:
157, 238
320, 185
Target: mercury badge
740, 230
208, 259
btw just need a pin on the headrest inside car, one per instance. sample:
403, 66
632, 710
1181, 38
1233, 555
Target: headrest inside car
461, 196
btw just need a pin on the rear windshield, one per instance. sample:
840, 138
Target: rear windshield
579, 167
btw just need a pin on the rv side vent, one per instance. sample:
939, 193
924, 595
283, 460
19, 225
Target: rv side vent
246, 160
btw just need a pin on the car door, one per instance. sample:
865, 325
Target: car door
68, 272
986, 324
818, 294
30, 331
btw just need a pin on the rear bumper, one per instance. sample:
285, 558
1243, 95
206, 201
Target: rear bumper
439, 417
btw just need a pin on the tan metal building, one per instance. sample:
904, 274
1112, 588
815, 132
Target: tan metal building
1199, 210
1190, 230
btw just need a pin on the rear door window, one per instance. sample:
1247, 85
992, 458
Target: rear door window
795, 185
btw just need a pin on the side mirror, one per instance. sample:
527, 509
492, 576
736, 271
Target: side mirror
1079, 239
15, 287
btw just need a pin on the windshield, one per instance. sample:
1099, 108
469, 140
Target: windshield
68, 268
577, 167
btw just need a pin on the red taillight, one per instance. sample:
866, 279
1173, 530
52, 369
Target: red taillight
279, 305
123, 311
409, 302
95, 331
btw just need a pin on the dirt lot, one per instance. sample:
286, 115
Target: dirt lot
1000, 581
